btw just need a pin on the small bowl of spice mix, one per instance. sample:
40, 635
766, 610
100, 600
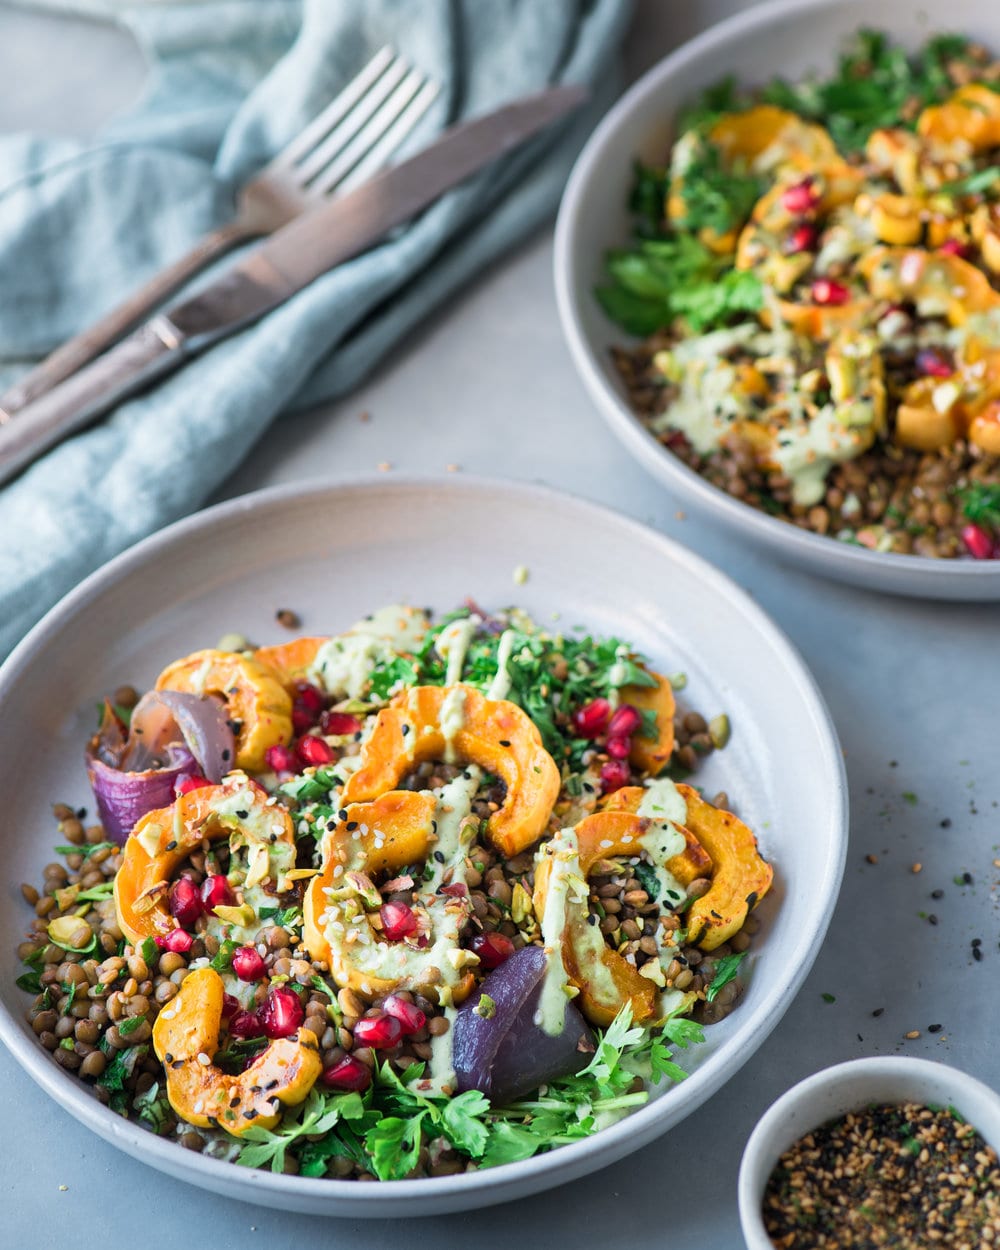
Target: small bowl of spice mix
884, 1152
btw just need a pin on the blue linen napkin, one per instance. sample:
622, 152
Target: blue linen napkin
231, 81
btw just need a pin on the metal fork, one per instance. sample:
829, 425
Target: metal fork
352, 138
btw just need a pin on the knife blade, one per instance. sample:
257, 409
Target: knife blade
273, 271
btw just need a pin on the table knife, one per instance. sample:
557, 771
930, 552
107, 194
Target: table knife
274, 271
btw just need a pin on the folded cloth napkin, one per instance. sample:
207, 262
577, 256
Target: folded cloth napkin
230, 82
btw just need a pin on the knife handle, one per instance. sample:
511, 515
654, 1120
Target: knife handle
152, 351
83, 347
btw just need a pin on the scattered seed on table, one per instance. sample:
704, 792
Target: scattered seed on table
937, 893
878, 1011
932, 919
916, 867
288, 618
946, 823
872, 859
934, 1028
912, 1035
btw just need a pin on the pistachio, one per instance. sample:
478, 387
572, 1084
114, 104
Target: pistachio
520, 904
719, 730
243, 916
72, 933
363, 885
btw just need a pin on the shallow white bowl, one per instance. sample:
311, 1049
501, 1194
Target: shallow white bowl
850, 1087
334, 553
787, 38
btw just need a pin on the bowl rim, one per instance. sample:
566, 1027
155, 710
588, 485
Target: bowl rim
391, 1197
923, 1073
800, 544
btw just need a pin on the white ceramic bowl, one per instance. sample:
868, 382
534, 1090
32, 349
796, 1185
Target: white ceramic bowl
849, 1087
787, 38
333, 553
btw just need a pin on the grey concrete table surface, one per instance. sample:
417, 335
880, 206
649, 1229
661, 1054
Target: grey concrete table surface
914, 688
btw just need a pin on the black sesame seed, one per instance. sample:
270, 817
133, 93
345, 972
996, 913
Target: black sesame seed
937, 893
172, 845
934, 1028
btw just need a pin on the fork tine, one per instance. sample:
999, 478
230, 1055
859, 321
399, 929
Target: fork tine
382, 147
353, 124
335, 112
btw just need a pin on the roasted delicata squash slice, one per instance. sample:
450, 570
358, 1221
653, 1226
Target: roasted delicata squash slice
459, 724
257, 703
970, 120
186, 1035
344, 926
163, 839
740, 876
938, 283
605, 980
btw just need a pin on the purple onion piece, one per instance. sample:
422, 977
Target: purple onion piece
171, 736
123, 798
202, 722
507, 1055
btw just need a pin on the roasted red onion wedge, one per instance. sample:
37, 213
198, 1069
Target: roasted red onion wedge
499, 1049
135, 770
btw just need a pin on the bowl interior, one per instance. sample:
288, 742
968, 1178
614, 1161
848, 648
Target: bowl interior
851, 1087
791, 39
333, 555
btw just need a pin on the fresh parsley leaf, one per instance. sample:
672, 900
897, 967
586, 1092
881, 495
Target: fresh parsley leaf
394, 1146
222, 961
509, 1143
121, 1067
646, 875
397, 673
717, 195
317, 1116
683, 1032
972, 184
154, 1109
725, 971
980, 503
150, 951
461, 1119
650, 724
30, 982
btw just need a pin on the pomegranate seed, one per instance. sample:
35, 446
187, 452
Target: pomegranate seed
179, 941
314, 751
934, 364
378, 1032
826, 291
230, 1006
619, 747
954, 247
217, 892
302, 721
614, 775
800, 198
978, 542
802, 239
625, 721
339, 723
309, 697
493, 949
398, 920
281, 1013
191, 783
281, 759
185, 902
590, 720
410, 1017
248, 964
348, 1073
246, 1024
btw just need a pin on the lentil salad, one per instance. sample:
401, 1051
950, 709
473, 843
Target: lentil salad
218, 979
814, 278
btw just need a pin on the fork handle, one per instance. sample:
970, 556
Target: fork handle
97, 338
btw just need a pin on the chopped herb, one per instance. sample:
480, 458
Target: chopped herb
725, 971
829, 998
646, 875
